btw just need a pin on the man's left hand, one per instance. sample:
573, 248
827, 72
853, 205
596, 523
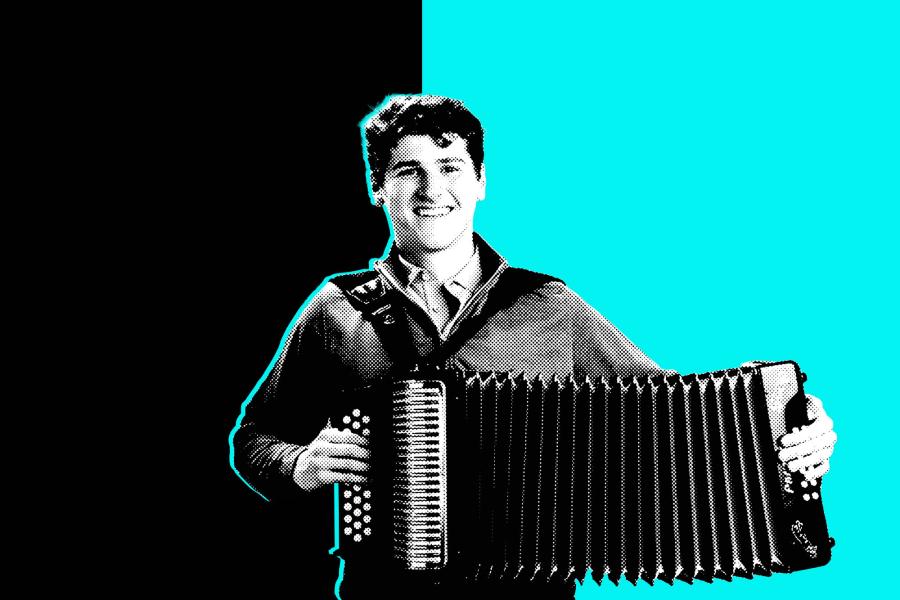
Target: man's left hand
809, 449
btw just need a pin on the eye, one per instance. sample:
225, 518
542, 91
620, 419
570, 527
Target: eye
450, 169
405, 172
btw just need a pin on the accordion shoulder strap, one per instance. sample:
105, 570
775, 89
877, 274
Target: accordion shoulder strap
367, 293
378, 303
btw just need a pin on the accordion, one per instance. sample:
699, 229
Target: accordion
492, 476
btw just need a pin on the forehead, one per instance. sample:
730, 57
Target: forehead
421, 148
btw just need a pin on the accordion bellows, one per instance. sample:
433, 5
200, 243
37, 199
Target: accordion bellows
484, 476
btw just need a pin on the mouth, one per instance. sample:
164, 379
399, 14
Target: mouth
432, 211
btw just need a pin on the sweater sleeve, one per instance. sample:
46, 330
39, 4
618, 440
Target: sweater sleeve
285, 412
601, 350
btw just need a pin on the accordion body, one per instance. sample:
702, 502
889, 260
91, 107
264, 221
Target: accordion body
492, 476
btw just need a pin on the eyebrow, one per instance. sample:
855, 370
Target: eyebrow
414, 163
403, 163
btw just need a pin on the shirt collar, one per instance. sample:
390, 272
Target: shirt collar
468, 277
404, 270
486, 264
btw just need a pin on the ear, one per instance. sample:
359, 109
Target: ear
483, 183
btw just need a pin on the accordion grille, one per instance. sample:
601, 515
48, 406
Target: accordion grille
418, 415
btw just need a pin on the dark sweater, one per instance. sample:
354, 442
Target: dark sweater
547, 329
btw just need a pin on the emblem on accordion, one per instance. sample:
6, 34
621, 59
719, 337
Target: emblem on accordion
495, 476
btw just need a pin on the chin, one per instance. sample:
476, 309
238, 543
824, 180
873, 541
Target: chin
434, 246
434, 243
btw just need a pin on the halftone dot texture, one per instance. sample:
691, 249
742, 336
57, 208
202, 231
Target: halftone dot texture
440, 118
681, 472
355, 499
544, 334
539, 331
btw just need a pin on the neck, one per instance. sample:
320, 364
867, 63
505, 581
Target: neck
442, 263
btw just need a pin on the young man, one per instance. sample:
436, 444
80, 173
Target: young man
452, 300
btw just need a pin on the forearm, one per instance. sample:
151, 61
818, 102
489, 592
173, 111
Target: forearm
285, 413
267, 463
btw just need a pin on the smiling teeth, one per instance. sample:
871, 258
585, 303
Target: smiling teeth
433, 212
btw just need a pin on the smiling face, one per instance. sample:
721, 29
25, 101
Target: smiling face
430, 193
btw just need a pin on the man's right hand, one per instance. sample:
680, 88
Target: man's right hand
335, 456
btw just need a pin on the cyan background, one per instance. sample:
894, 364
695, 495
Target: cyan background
721, 181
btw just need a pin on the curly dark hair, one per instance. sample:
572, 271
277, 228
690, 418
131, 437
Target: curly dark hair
438, 117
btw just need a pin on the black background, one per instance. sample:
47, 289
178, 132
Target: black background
231, 152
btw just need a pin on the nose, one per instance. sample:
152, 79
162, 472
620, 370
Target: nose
430, 185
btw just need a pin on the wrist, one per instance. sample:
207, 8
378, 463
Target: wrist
290, 464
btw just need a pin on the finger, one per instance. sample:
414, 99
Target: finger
348, 465
807, 432
817, 471
345, 451
826, 440
809, 461
343, 436
342, 477
309, 480
327, 449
